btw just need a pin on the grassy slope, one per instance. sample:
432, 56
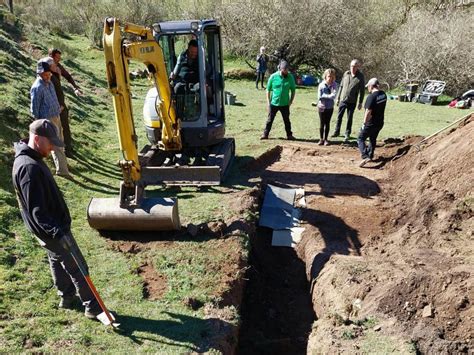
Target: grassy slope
28, 314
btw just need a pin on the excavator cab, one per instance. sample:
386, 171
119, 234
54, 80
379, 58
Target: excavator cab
198, 97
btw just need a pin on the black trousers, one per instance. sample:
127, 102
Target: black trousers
260, 77
324, 120
350, 114
371, 132
64, 116
285, 113
67, 277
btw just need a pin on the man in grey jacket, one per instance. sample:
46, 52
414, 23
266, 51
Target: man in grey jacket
46, 215
352, 88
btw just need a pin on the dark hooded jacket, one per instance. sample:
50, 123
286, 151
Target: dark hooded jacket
42, 205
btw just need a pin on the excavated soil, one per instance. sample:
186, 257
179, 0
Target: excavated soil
385, 263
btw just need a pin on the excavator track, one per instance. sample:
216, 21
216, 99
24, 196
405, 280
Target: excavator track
211, 173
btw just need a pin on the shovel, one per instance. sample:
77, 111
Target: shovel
68, 243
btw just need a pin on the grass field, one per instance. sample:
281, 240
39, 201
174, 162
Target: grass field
29, 319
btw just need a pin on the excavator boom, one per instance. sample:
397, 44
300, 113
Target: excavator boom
132, 211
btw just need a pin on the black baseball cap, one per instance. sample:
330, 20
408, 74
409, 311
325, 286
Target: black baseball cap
45, 128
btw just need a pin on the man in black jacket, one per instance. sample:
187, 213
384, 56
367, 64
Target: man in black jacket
46, 215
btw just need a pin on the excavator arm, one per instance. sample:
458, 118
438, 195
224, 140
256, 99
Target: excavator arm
117, 53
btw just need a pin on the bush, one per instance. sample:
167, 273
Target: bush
240, 74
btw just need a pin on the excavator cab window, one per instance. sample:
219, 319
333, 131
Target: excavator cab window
214, 75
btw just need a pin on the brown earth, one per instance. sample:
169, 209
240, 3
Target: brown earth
385, 263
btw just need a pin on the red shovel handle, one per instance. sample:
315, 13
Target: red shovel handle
99, 300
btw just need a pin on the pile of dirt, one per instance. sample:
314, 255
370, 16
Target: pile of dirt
431, 193
410, 289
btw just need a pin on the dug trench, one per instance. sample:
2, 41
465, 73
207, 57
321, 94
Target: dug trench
384, 263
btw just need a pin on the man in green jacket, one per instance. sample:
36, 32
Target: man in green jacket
352, 86
279, 86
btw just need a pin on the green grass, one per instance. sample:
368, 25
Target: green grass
29, 319
248, 118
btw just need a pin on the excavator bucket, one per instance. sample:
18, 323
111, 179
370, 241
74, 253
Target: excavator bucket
154, 214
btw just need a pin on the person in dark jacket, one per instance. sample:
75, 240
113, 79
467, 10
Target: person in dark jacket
59, 71
186, 69
262, 60
373, 121
46, 214
351, 91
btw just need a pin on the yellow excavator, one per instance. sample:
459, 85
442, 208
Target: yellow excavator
184, 120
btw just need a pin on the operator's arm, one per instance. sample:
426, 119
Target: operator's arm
69, 78
177, 67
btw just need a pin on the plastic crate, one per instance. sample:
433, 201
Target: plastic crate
430, 91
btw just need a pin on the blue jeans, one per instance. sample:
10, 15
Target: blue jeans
350, 113
371, 132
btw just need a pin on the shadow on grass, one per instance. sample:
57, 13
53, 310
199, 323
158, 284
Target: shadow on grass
182, 331
99, 81
180, 235
94, 185
98, 165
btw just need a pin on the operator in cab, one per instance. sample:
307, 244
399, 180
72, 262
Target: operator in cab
186, 71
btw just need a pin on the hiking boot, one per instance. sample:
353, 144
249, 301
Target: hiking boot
264, 136
92, 313
363, 162
291, 138
321, 142
326, 142
67, 302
